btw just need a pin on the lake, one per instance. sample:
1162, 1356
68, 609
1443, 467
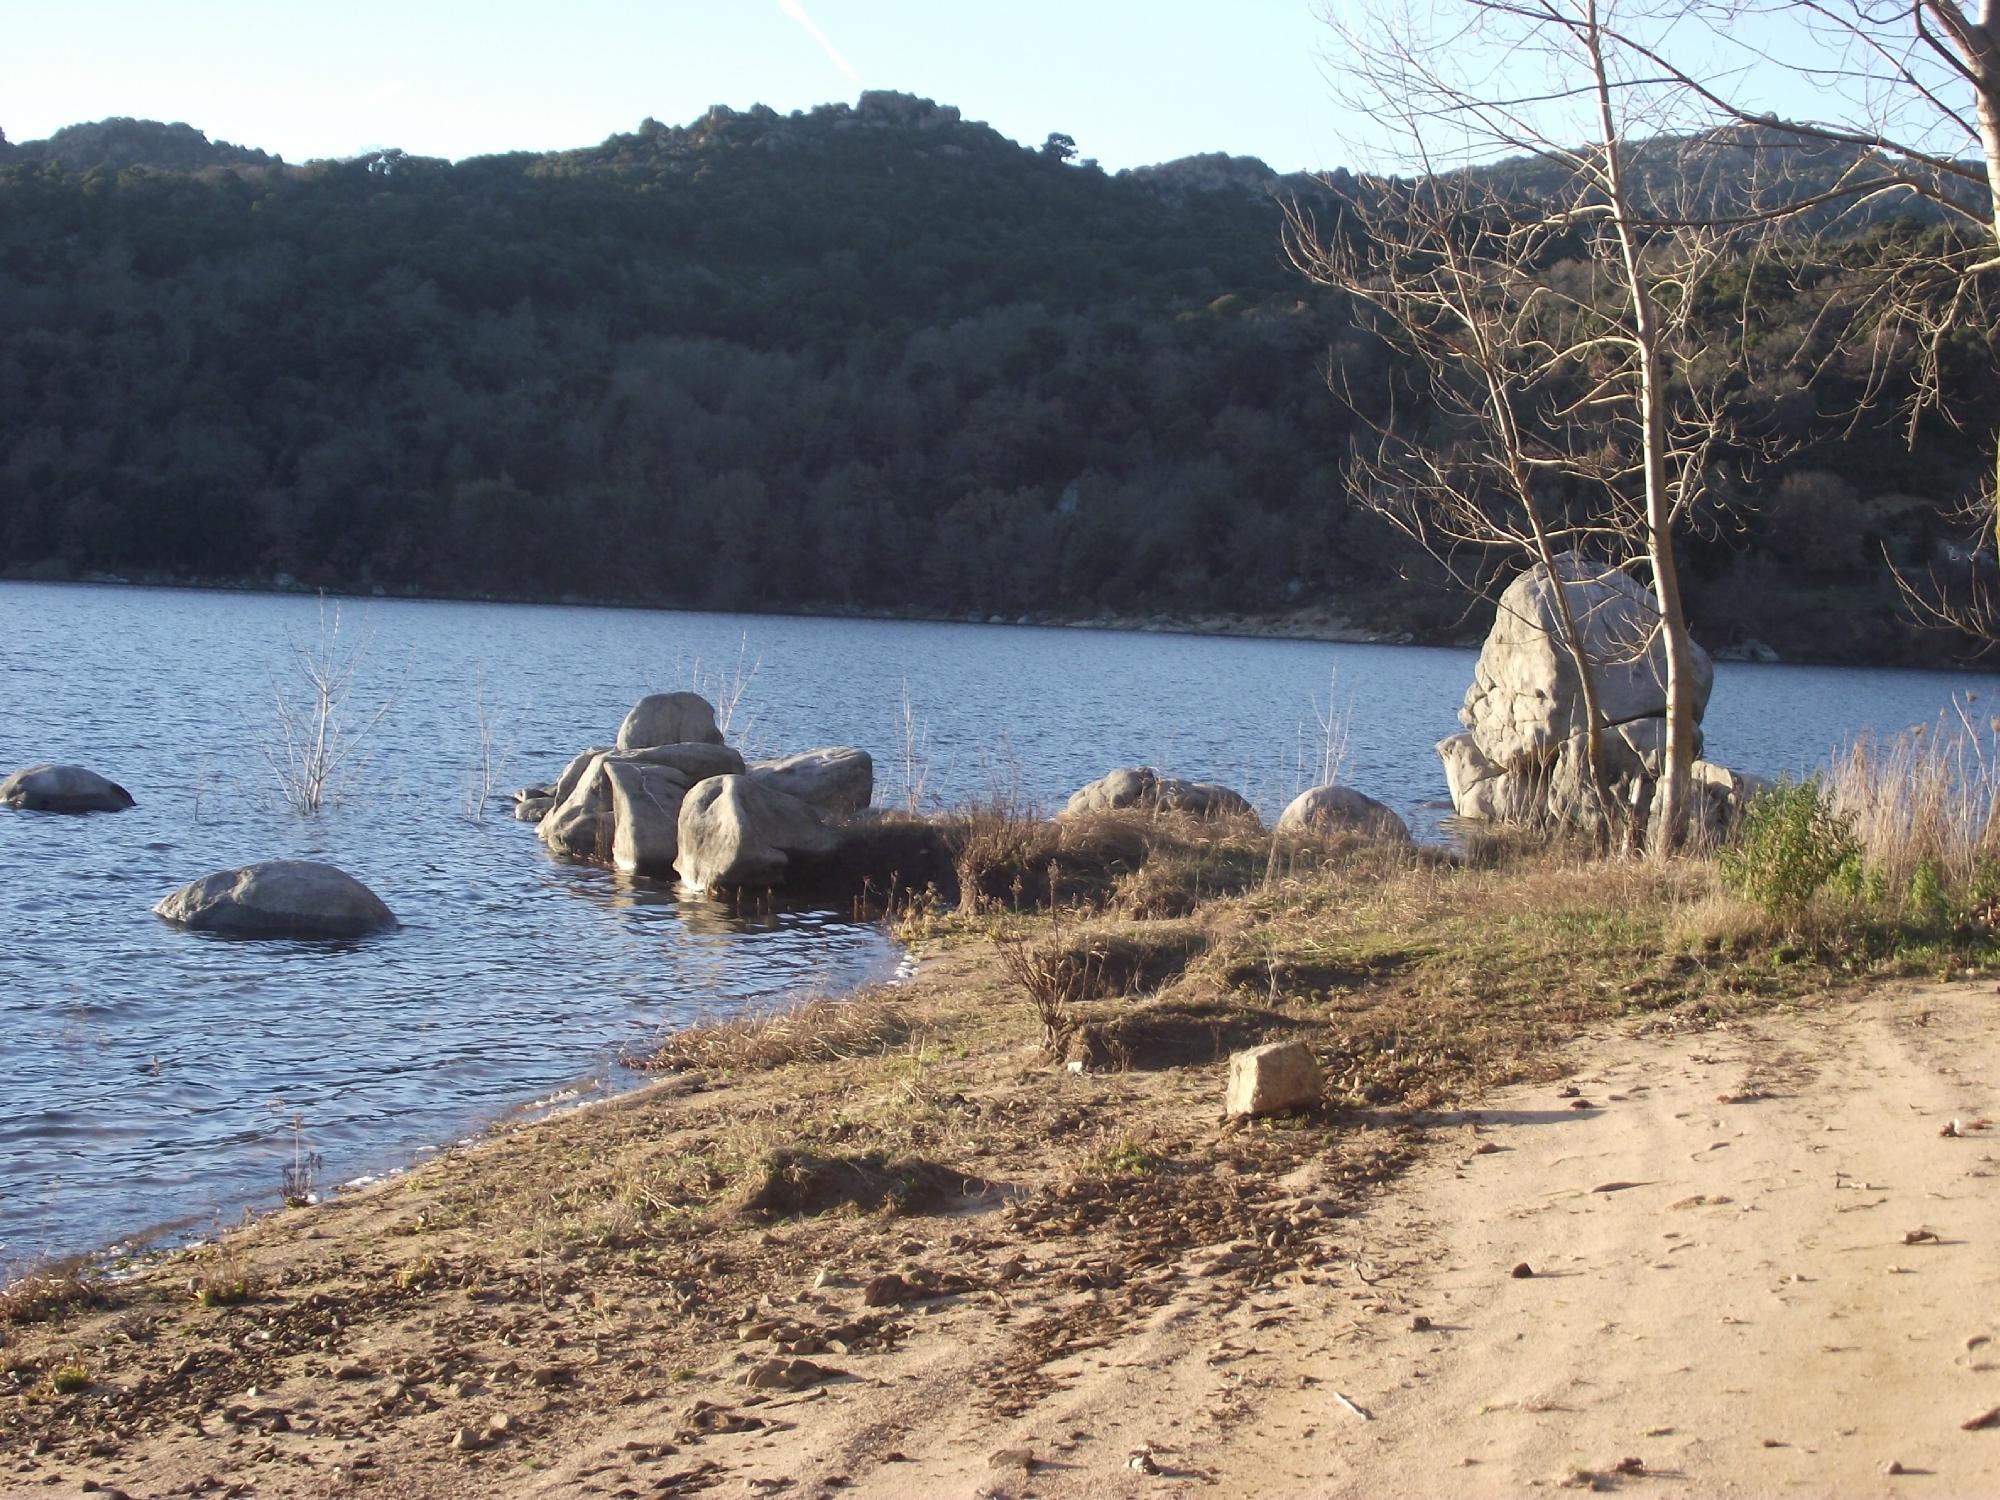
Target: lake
159, 1078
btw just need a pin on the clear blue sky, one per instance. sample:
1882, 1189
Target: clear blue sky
1134, 81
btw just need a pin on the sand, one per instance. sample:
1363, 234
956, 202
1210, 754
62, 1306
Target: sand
1764, 1260
1723, 1303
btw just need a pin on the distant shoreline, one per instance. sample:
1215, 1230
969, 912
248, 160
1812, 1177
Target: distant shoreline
1312, 624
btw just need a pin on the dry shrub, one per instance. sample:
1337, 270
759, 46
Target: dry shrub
820, 1029
48, 1294
794, 1182
1072, 967
1056, 976
224, 1276
1928, 797
999, 851
1011, 862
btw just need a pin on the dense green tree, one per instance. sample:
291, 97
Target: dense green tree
855, 358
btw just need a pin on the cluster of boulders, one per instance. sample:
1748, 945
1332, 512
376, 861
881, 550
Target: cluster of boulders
1522, 757
1317, 810
670, 800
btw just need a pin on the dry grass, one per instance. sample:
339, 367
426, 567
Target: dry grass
1425, 982
224, 1277
800, 1182
49, 1294
1929, 796
819, 1029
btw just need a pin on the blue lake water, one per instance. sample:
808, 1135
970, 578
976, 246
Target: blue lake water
157, 1076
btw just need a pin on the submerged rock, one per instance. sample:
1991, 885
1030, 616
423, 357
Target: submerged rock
63, 789
279, 898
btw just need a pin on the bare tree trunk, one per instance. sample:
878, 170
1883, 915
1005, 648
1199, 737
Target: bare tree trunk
1983, 62
1670, 795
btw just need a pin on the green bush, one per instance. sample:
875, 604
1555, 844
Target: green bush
1928, 908
1792, 843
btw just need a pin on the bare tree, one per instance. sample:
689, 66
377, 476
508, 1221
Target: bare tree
1910, 96
317, 742
1548, 309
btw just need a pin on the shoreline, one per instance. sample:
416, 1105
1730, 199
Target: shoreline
1320, 624
917, 1241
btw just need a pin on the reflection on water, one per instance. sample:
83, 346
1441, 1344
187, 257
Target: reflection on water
154, 1073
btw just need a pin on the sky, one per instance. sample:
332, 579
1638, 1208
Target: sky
1134, 81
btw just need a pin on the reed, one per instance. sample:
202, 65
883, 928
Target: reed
1923, 803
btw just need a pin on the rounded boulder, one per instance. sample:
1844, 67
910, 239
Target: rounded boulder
1325, 809
279, 898
669, 719
63, 789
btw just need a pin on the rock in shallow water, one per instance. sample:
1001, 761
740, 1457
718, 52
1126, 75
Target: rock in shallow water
64, 789
736, 833
279, 898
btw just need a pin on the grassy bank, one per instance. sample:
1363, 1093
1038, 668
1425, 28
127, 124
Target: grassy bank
1023, 1146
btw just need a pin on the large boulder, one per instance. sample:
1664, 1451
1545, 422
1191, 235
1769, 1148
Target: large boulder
737, 833
669, 719
571, 774
1525, 700
835, 779
580, 826
1523, 757
1323, 809
587, 823
279, 898
694, 760
645, 814
63, 789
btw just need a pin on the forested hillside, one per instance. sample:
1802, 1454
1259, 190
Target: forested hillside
873, 357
